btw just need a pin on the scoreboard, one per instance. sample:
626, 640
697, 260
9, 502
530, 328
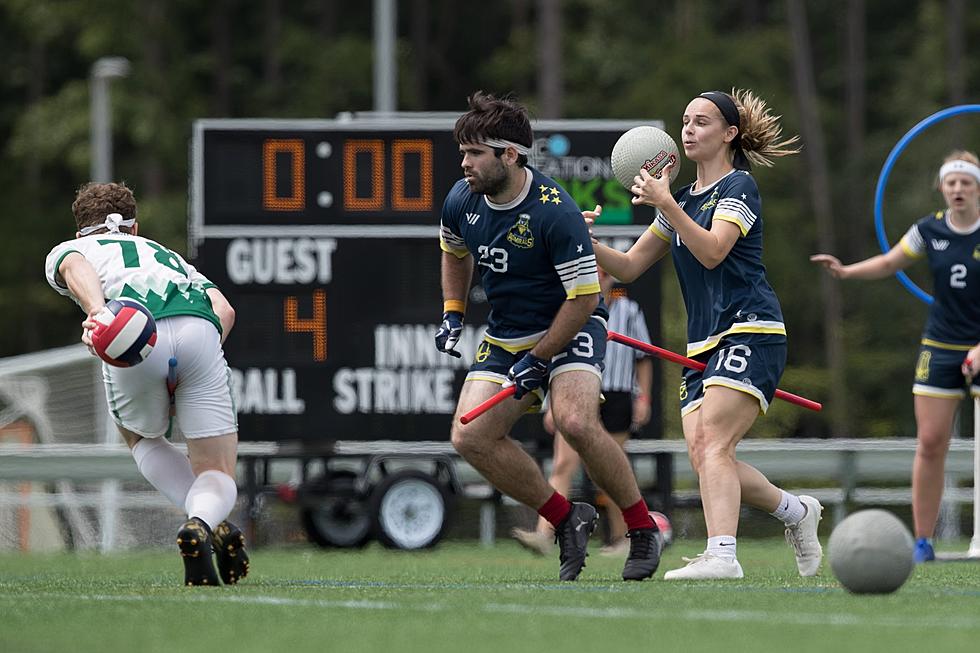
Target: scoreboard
323, 234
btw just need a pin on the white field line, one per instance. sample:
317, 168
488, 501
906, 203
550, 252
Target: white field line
658, 614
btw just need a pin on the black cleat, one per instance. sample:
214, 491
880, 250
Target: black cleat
229, 549
572, 536
644, 557
194, 541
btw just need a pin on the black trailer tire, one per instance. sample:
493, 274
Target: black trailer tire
333, 513
411, 510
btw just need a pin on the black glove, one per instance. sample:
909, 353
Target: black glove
448, 334
528, 374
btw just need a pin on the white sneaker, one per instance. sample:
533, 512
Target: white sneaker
706, 567
803, 538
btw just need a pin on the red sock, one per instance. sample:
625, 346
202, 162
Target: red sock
555, 509
637, 516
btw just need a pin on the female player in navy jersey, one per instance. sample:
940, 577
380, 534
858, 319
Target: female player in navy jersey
713, 229
949, 356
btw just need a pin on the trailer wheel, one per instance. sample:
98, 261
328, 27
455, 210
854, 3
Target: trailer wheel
411, 510
333, 513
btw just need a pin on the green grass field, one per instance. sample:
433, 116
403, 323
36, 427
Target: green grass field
460, 597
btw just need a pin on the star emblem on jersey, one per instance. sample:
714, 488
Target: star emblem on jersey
743, 196
520, 234
549, 194
578, 250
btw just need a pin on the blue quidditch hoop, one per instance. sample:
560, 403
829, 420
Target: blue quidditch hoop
886, 170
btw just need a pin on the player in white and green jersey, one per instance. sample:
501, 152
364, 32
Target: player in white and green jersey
108, 260
949, 353
138, 268
713, 230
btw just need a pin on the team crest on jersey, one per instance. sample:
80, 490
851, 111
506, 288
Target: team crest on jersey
710, 202
520, 234
922, 366
976, 253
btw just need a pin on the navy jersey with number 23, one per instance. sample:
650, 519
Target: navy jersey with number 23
533, 253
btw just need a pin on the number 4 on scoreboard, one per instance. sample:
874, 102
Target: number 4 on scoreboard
316, 326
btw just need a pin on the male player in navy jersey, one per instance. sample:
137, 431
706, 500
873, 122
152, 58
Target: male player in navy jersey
546, 330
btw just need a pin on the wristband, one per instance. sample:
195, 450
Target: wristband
457, 305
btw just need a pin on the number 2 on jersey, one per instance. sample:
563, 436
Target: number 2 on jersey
957, 276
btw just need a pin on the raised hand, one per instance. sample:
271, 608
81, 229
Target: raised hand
830, 263
590, 218
652, 190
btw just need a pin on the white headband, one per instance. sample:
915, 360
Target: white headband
499, 142
112, 222
959, 165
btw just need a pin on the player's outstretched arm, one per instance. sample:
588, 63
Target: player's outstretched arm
83, 282
223, 309
627, 266
876, 267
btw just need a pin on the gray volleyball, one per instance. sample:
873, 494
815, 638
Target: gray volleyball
871, 552
644, 147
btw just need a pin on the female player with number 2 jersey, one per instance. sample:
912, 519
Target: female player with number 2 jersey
949, 354
713, 229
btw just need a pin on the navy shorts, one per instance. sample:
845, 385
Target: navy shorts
937, 374
747, 362
586, 351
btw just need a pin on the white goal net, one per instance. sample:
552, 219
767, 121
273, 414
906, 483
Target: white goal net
66, 478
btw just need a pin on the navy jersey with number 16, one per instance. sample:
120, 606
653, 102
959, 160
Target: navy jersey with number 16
533, 253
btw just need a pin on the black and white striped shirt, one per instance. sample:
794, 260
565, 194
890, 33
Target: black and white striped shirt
625, 317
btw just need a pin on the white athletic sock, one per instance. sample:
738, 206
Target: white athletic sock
211, 497
722, 546
165, 467
791, 510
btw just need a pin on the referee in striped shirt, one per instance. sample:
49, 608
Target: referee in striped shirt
626, 385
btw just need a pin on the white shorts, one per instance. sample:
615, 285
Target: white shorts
138, 398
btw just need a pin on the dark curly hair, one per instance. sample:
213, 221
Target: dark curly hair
491, 117
94, 201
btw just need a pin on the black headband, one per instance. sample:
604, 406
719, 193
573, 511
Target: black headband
729, 112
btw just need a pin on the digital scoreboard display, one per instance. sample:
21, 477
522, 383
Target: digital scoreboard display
323, 234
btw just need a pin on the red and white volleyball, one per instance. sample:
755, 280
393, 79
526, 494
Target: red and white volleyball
124, 333
666, 530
